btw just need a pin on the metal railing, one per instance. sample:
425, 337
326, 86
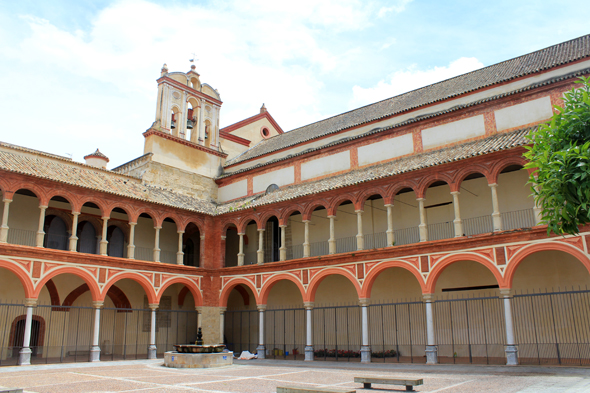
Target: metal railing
518, 219
441, 230
22, 237
477, 225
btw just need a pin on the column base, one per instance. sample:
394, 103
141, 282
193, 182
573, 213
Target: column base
309, 354
152, 352
365, 354
261, 352
431, 354
511, 355
95, 354
24, 357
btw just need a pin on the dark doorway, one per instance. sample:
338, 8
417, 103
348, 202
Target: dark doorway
19, 335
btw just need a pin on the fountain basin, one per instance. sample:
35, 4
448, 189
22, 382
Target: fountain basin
176, 359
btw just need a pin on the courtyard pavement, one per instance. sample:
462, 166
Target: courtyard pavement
149, 376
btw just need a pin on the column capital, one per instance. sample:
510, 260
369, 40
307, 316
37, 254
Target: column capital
43, 207
154, 306
388, 205
493, 185
158, 228
75, 213
427, 297
202, 237
222, 310
305, 220
261, 230
364, 302
132, 223
180, 232
331, 216
241, 233
199, 309
31, 302
261, 307
359, 211
420, 199
105, 218
282, 226
6, 200
506, 292
455, 192
223, 237
98, 304
308, 305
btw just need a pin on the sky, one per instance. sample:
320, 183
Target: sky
80, 75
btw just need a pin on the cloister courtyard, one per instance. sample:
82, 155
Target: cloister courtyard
265, 375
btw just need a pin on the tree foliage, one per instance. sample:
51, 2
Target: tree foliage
560, 152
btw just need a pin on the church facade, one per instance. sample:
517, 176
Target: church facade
402, 231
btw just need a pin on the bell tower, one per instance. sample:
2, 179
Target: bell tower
185, 133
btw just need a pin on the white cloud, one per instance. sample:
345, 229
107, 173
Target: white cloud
399, 7
411, 79
96, 88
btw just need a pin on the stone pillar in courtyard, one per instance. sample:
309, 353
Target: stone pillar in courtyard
308, 331
95, 349
24, 355
365, 348
431, 349
211, 325
510, 349
261, 349
152, 347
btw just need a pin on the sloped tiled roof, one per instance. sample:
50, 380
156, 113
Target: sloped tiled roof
80, 175
463, 151
531, 63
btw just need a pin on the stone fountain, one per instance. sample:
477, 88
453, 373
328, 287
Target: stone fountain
198, 355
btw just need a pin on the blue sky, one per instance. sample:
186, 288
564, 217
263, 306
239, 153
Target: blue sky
77, 75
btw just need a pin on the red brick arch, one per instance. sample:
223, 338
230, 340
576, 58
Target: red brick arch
288, 212
500, 165
468, 170
191, 285
397, 187
224, 296
547, 246
246, 220
22, 275
116, 295
198, 223
97, 202
83, 274
446, 261
72, 200
34, 188
309, 209
265, 291
362, 197
141, 280
381, 267
428, 181
268, 214
337, 201
319, 277
127, 209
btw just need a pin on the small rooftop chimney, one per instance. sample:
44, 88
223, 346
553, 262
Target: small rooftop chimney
164, 70
263, 108
97, 159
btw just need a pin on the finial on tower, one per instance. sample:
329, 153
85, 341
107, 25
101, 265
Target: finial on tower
193, 66
164, 70
262, 108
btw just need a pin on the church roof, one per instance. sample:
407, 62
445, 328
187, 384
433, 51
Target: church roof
531, 63
497, 142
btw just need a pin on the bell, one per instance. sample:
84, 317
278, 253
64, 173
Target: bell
173, 125
189, 124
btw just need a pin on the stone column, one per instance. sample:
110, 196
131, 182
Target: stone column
309, 331
260, 252
510, 349
423, 226
157, 245
360, 239
261, 349
180, 254
131, 245
74, 239
222, 311
40, 232
103, 241
496, 217
241, 250
431, 349
365, 348
4, 227
306, 247
283, 247
389, 232
332, 239
457, 221
152, 347
24, 355
95, 350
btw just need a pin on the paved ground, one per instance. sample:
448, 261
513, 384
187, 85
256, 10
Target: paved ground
265, 375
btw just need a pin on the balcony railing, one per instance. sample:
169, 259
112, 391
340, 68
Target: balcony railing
518, 219
442, 230
477, 225
22, 237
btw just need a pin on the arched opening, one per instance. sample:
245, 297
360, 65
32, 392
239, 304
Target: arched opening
241, 320
89, 228
440, 213
514, 198
56, 233
145, 234
191, 245
469, 315
284, 322
406, 217
175, 126
23, 220
375, 222
17, 335
176, 318
232, 246
250, 243
208, 133
118, 233
295, 235
168, 241
272, 240
550, 309
475, 201
192, 124
345, 227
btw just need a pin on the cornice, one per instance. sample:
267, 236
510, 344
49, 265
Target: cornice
184, 142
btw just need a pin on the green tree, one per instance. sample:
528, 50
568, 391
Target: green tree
560, 152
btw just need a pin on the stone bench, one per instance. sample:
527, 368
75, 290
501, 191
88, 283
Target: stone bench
307, 389
409, 383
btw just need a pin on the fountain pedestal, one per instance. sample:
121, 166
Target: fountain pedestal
198, 360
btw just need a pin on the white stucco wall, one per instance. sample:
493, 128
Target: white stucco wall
279, 177
232, 191
453, 132
385, 149
525, 113
325, 165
